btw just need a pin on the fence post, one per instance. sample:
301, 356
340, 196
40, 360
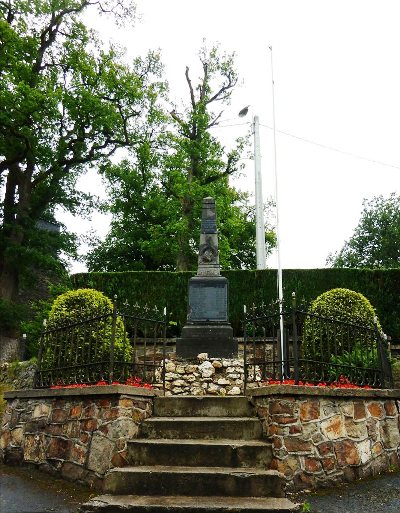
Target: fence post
295, 339
164, 348
244, 349
112, 344
384, 364
387, 362
38, 372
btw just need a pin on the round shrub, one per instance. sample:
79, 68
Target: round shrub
326, 333
87, 313
344, 305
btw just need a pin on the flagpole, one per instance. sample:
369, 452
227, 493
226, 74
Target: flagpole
278, 237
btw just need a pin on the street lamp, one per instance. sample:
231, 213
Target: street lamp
260, 226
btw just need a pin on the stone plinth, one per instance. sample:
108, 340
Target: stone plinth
207, 329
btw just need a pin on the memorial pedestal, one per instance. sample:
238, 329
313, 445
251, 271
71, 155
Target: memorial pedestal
207, 329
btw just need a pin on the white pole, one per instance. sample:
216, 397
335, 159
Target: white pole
278, 238
260, 227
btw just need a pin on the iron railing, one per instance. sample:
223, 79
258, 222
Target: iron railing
294, 344
126, 346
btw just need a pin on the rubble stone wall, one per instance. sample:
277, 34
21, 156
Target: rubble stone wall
323, 437
206, 376
78, 433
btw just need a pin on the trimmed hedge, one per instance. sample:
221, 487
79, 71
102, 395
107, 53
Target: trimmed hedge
381, 287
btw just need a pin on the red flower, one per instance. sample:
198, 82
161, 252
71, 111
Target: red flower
343, 382
131, 381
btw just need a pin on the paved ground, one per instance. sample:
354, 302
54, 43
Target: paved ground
375, 495
29, 491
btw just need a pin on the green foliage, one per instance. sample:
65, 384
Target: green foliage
68, 102
342, 305
155, 197
32, 326
376, 240
11, 315
168, 289
75, 306
357, 363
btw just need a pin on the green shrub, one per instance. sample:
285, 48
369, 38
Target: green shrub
92, 338
11, 315
360, 364
39, 311
323, 338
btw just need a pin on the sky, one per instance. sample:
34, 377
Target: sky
336, 84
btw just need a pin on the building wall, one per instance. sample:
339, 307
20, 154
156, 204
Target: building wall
322, 437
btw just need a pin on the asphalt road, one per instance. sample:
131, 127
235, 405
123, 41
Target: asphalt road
25, 490
376, 495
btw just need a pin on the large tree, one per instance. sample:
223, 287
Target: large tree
375, 243
66, 103
156, 196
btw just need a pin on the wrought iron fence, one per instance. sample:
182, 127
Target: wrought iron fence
122, 346
293, 344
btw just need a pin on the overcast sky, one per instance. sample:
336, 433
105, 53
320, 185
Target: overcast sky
337, 83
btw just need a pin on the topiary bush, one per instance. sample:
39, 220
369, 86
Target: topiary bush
88, 340
327, 338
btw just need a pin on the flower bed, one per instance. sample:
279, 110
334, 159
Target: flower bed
131, 381
343, 382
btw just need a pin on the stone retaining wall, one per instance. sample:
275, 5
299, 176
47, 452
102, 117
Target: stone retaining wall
79, 433
206, 376
322, 437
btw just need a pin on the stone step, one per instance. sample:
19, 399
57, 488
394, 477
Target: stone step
203, 406
221, 453
240, 428
194, 481
174, 504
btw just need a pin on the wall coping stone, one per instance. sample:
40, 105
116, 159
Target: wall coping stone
84, 391
322, 391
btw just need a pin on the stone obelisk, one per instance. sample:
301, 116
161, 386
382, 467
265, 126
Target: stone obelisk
207, 329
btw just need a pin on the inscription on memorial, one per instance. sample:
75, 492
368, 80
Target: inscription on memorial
208, 302
208, 226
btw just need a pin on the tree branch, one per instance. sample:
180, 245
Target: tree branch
223, 92
229, 170
192, 98
215, 120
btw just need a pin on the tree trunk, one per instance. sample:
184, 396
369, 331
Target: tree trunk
9, 278
184, 259
12, 233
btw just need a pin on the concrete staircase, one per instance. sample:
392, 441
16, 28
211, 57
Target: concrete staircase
196, 454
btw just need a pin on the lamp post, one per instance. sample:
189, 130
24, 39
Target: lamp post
260, 226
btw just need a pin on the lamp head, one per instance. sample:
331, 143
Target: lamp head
244, 111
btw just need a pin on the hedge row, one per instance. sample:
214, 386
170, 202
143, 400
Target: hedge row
381, 287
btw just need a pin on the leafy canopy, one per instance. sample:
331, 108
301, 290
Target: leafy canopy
155, 197
375, 243
68, 104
